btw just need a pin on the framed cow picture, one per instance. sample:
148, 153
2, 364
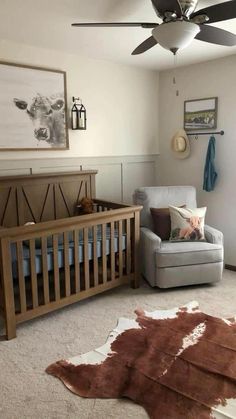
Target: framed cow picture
33, 110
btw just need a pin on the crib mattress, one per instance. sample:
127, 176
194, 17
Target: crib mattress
60, 253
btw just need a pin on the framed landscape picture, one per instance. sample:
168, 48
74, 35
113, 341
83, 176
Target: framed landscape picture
200, 114
32, 108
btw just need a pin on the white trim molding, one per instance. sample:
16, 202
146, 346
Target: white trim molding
117, 177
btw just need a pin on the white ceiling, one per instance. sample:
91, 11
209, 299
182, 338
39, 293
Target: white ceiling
47, 23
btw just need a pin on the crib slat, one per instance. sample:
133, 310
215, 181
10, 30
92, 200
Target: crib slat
56, 268
86, 259
95, 258
20, 258
76, 261
136, 233
128, 247
104, 257
8, 290
45, 270
120, 249
113, 269
66, 264
34, 285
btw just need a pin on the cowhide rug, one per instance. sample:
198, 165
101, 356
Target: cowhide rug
178, 363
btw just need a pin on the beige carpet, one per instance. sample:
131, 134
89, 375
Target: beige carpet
27, 392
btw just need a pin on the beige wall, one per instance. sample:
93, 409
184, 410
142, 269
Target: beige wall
121, 102
121, 141
122, 105
215, 78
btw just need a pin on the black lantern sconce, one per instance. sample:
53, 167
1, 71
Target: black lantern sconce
78, 114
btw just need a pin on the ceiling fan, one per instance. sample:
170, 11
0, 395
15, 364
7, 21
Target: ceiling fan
181, 24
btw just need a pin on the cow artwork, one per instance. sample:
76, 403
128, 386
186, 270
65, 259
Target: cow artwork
177, 364
33, 109
48, 118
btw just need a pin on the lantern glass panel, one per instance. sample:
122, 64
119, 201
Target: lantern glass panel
82, 121
74, 117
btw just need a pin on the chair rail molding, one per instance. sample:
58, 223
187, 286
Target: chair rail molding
117, 177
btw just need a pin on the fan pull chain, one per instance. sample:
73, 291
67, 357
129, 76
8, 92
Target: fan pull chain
174, 77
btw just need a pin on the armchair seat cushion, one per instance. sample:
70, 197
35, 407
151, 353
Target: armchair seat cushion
172, 254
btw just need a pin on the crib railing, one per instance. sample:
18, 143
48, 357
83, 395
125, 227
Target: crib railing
52, 264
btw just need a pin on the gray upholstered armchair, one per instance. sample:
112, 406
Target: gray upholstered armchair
169, 264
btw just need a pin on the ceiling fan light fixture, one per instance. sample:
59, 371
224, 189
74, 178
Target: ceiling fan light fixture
200, 19
175, 35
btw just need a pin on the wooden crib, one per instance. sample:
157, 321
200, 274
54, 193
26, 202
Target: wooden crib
63, 257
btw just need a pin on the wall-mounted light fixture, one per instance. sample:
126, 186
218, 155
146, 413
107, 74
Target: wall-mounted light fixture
78, 114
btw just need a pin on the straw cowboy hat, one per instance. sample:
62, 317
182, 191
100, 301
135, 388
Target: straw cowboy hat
180, 145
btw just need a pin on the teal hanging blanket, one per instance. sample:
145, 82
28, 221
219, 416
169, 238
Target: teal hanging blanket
210, 174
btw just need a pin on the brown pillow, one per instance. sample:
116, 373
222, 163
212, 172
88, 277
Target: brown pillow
161, 222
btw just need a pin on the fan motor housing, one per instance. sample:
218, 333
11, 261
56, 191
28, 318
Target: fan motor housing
188, 6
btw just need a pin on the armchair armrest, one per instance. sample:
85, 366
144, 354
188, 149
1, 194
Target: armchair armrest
149, 242
213, 236
150, 238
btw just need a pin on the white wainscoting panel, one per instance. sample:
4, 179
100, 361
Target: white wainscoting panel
117, 176
108, 181
136, 174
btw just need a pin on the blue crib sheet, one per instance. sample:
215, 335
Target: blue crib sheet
38, 254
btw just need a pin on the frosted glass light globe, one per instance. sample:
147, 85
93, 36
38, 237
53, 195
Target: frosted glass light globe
175, 35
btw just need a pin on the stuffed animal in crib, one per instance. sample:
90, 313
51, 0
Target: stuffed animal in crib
85, 206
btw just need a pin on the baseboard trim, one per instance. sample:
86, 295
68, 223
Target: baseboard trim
230, 267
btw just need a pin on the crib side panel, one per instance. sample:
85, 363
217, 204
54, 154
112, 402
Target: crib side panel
50, 265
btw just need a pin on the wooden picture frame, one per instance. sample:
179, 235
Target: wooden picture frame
200, 114
33, 108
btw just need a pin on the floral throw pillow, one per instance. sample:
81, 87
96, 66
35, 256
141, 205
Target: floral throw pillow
187, 224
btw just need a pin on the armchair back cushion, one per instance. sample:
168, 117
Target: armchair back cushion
161, 222
162, 197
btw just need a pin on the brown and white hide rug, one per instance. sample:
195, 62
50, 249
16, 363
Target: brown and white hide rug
178, 363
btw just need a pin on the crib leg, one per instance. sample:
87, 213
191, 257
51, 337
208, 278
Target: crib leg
8, 290
10, 319
10, 329
135, 283
136, 231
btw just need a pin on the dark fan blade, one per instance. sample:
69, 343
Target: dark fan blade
162, 6
216, 36
218, 12
116, 24
145, 45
